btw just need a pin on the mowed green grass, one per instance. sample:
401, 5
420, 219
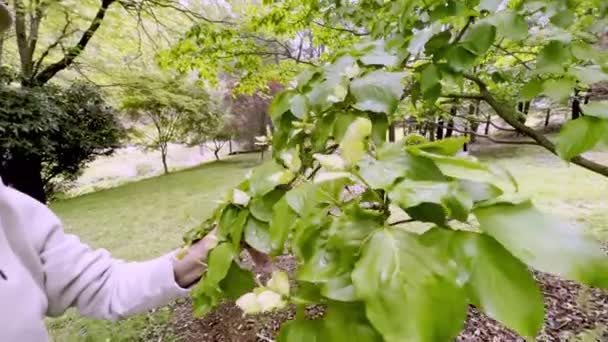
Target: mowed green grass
138, 221
147, 218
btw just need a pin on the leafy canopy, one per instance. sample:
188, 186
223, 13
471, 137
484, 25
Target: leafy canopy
344, 201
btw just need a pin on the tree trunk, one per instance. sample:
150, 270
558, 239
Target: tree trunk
391, 132
25, 174
450, 129
547, 117
163, 156
473, 122
576, 108
230, 146
216, 153
488, 121
439, 133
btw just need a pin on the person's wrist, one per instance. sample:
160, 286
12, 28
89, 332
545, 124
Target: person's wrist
189, 269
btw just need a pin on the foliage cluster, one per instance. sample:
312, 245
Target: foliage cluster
344, 201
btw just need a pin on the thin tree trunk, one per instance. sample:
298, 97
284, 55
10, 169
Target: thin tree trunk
547, 117
488, 122
450, 128
576, 108
391, 132
230, 146
439, 133
163, 155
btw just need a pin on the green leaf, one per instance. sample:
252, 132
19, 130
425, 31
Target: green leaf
430, 77
460, 59
283, 219
532, 89
583, 51
578, 136
237, 282
339, 289
380, 127
347, 322
257, 235
262, 207
392, 163
589, 75
232, 223
598, 109
509, 24
553, 57
546, 243
438, 43
299, 106
343, 121
479, 38
497, 282
446, 199
207, 293
280, 104
267, 176
490, 5
402, 283
301, 331
353, 146
378, 91
563, 18
446, 147
559, 89
379, 56
421, 37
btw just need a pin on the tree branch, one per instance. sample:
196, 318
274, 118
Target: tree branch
75, 51
463, 96
341, 29
512, 54
494, 140
507, 114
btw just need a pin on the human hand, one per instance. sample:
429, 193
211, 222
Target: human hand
189, 268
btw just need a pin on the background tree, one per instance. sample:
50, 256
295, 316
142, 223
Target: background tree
62, 129
63, 40
163, 110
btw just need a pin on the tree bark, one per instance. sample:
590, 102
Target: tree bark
24, 173
439, 133
488, 122
576, 108
391, 132
450, 128
506, 113
163, 156
75, 51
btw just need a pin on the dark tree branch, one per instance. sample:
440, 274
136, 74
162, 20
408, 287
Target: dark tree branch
463, 96
341, 29
512, 54
507, 114
401, 222
494, 140
75, 51
64, 34
464, 30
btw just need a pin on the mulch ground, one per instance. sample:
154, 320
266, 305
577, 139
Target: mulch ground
570, 309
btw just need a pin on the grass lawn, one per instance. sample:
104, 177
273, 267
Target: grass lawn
138, 221
147, 218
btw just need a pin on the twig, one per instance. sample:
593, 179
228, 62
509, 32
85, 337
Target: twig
521, 61
497, 141
401, 222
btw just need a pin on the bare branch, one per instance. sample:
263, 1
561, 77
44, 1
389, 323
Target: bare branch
75, 51
494, 140
341, 29
512, 54
463, 96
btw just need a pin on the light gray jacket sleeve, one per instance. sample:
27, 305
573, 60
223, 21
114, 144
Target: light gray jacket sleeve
98, 285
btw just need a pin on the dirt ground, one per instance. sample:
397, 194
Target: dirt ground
570, 310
